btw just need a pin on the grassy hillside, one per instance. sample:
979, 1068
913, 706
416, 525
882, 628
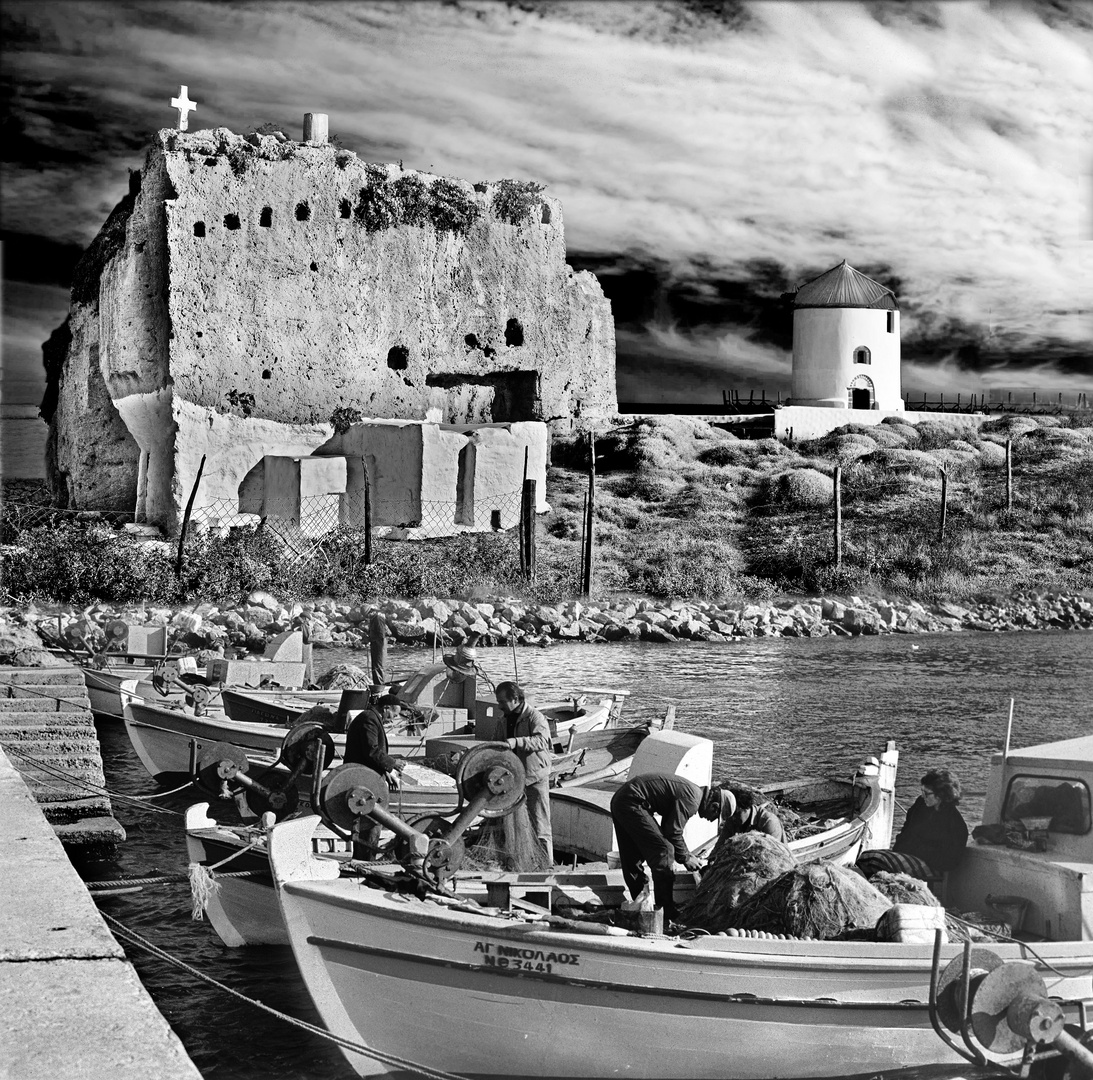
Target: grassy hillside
686, 509
683, 509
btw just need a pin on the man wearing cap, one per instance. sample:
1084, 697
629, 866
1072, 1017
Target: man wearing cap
528, 733
366, 739
642, 839
752, 813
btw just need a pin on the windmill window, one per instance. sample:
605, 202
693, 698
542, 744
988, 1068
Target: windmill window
862, 355
891, 322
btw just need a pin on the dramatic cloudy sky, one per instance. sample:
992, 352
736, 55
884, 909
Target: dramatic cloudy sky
708, 156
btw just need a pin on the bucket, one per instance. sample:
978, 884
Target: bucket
1011, 908
613, 860
354, 699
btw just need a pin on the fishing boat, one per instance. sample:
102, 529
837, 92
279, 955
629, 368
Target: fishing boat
563, 1002
244, 910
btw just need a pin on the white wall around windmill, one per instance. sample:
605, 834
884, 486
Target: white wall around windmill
824, 345
799, 422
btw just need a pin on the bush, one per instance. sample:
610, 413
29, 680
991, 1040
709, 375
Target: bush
669, 566
77, 564
798, 488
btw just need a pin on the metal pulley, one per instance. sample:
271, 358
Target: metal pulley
198, 697
218, 765
301, 746
223, 771
116, 631
951, 1006
1003, 1010
491, 778
164, 675
350, 792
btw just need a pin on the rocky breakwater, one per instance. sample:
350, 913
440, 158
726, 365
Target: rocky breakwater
331, 624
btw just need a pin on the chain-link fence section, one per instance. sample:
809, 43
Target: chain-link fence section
302, 529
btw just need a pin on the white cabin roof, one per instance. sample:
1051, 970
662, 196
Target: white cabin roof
1072, 753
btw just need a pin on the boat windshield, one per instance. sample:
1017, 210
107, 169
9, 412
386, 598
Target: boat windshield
1062, 805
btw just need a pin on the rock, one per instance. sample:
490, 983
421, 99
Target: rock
832, 610
652, 632
953, 611
861, 621
21, 647
409, 633
260, 598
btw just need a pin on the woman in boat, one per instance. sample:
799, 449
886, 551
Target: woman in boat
933, 837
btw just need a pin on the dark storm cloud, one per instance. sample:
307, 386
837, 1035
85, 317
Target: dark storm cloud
707, 155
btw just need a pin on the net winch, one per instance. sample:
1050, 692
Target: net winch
1001, 1010
223, 770
353, 797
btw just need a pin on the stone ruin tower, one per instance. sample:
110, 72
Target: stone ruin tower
249, 291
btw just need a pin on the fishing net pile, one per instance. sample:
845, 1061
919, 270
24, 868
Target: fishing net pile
344, 677
820, 900
739, 867
904, 889
506, 843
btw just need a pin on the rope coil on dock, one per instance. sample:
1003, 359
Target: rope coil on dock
346, 1044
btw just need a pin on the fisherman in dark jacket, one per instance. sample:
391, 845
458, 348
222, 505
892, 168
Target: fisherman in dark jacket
642, 839
528, 734
366, 744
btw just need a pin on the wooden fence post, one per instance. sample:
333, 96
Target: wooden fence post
1009, 476
527, 530
367, 520
590, 519
186, 517
944, 503
838, 516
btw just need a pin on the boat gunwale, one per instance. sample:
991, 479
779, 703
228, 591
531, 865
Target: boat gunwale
858, 956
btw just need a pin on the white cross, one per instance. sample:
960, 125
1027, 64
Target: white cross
185, 106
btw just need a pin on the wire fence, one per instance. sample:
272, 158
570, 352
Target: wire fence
301, 526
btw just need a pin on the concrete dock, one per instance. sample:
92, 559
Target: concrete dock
71, 1003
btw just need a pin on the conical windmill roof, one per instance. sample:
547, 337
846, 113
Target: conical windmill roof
843, 286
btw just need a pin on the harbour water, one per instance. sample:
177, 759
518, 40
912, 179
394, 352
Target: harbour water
775, 708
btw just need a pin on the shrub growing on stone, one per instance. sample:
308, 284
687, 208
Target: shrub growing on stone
514, 200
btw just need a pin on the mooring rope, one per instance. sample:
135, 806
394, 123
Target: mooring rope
166, 879
346, 1044
76, 781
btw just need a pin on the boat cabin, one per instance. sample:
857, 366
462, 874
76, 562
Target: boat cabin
1034, 856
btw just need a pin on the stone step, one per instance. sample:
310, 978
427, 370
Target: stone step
55, 786
44, 691
55, 748
46, 722
36, 676
70, 758
70, 810
90, 832
41, 705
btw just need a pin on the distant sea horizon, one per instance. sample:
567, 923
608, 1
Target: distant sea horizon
22, 442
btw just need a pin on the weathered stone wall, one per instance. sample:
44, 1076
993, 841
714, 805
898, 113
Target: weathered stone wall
280, 281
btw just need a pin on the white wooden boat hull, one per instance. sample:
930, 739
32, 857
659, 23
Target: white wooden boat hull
111, 689
169, 743
493, 998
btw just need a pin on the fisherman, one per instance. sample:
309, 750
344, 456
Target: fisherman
642, 839
933, 837
366, 744
528, 734
752, 814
